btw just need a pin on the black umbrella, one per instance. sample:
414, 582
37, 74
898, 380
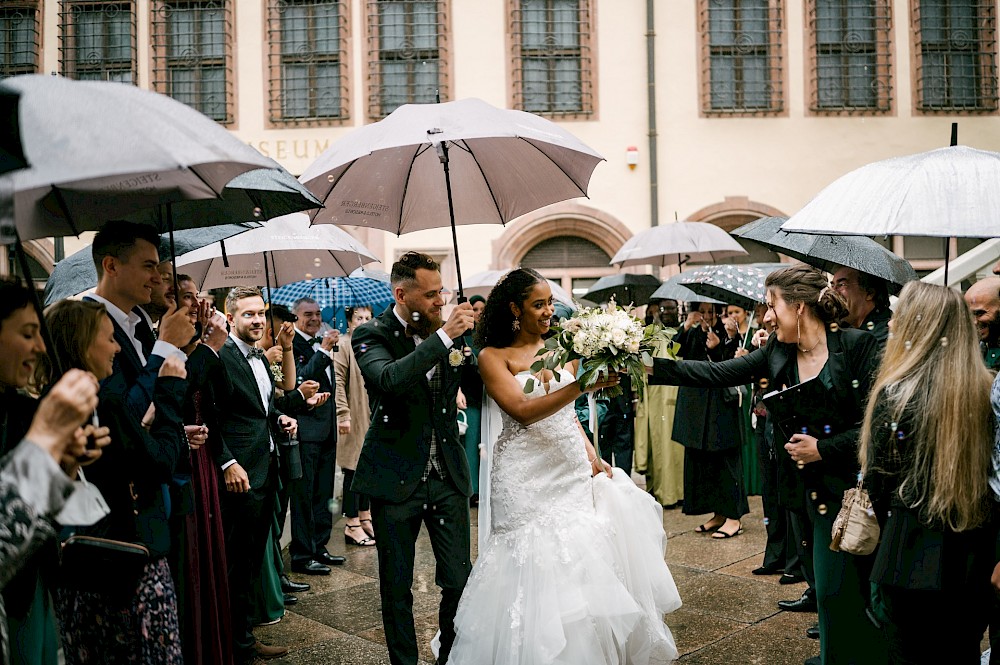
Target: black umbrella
625, 288
76, 273
741, 285
672, 289
831, 252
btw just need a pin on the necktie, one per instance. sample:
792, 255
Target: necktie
255, 353
144, 334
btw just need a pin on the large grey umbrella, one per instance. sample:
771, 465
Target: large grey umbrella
741, 285
625, 288
831, 252
100, 151
948, 192
464, 162
676, 244
481, 283
76, 273
283, 250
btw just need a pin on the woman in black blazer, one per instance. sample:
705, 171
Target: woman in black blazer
810, 344
925, 452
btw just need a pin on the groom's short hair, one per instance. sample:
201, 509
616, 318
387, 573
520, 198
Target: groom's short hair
404, 270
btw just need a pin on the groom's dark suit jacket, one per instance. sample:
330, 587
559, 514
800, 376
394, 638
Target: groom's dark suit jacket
238, 426
404, 412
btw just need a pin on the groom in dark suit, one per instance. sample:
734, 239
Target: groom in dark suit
413, 464
244, 425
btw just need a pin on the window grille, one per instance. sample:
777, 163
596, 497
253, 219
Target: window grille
741, 56
97, 41
19, 44
850, 55
307, 61
956, 53
192, 54
407, 56
565, 252
552, 57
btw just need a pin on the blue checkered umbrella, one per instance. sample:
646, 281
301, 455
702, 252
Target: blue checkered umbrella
336, 292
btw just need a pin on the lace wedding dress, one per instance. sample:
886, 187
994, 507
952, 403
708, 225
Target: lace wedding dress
571, 571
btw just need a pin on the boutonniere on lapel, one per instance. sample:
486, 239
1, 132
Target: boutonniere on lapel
279, 376
455, 357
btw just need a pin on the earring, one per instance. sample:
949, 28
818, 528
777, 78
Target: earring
515, 325
798, 330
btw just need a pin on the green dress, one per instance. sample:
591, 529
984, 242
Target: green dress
267, 601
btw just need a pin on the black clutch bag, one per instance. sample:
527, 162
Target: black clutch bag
88, 563
805, 408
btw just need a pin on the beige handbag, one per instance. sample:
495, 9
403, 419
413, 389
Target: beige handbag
855, 529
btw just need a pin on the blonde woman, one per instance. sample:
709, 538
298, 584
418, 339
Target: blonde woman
925, 454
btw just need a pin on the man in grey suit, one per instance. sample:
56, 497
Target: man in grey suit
413, 464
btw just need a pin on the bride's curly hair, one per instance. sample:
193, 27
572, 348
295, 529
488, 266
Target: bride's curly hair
496, 324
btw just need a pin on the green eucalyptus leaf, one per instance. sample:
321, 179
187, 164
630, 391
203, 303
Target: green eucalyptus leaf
529, 386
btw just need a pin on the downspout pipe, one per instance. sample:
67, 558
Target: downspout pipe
654, 214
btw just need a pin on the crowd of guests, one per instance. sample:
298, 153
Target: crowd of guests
151, 448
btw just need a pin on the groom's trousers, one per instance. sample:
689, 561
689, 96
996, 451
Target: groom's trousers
445, 511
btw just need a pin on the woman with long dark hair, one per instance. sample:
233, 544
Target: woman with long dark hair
809, 343
573, 551
925, 453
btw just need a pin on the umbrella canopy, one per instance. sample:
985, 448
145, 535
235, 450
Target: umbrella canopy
672, 289
101, 150
625, 288
948, 192
372, 273
291, 249
482, 283
76, 273
252, 196
477, 163
831, 252
676, 244
336, 292
741, 285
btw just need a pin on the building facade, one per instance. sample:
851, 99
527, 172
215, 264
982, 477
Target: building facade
706, 110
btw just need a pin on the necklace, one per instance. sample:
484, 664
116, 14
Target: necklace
809, 350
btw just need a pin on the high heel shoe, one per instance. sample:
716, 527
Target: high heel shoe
351, 540
368, 529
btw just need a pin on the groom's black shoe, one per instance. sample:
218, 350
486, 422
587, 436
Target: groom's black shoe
310, 568
288, 586
330, 559
804, 604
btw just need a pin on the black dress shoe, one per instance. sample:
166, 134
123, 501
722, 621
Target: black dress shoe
288, 599
288, 586
815, 660
330, 559
790, 578
812, 632
310, 568
768, 570
803, 604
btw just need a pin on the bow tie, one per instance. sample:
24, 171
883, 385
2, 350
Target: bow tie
255, 353
315, 340
412, 330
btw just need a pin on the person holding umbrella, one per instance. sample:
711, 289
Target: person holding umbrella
867, 299
413, 464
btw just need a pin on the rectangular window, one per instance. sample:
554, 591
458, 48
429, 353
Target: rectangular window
407, 47
97, 41
192, 54
307, 54
956, 52
850, 55
552, 56
741, 56
19, 47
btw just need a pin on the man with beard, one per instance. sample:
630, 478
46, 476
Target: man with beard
244, 422
983, 299
413, 464
867, 299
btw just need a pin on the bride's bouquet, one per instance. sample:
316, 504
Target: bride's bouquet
604, 339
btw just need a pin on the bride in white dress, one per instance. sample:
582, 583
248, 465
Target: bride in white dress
570, 568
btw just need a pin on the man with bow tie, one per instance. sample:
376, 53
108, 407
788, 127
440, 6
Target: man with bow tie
310, 495
245, 421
